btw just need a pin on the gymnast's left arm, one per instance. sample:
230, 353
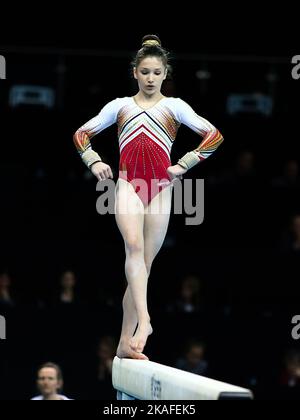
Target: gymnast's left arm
211, 137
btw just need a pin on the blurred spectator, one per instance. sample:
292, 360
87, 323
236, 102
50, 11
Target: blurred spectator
101, 382
245, 164
107, 297
106, 352
67, 293
291, 240
68, 283
193, 360
290, 179
190, 296
6, 299
290, 375
50, 382
296, 232
244, 172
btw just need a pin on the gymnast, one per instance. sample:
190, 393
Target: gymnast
147, 126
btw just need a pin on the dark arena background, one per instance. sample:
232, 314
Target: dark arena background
223, 295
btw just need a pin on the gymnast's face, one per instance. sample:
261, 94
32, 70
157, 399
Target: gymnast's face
150, 74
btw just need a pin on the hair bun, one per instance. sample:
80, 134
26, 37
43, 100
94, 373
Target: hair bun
151, 41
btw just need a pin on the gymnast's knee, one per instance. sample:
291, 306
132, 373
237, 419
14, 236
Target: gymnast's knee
134, 247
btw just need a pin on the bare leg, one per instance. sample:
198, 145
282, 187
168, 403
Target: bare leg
129, 325
130, 220
154, 231
130, 320
136, 273
156, 220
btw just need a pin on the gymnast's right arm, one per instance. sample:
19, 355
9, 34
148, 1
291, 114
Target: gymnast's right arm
82, 140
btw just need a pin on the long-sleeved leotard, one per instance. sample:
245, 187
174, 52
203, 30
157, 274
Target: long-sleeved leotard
146, 138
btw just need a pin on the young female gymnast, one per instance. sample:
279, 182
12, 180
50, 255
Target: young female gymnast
147, 127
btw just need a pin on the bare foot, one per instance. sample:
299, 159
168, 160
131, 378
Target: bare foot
124, 351
138, 341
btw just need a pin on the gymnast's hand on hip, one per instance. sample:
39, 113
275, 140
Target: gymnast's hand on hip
175, 172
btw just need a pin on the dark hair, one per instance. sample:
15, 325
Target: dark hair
151, 47
56, 368
194, 342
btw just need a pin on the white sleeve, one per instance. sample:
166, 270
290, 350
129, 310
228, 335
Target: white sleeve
106, 117
211, 137
187, 116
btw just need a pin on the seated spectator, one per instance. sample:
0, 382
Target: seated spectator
190, 296
100, 374
6, 299
50, 382
291, 240
290, 179
67, 294
244, 173
106, 352
193, 360
68, 284
290, 375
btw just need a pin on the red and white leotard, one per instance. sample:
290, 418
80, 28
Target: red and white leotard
146, 138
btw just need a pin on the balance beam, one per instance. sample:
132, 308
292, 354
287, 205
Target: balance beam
145, 380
